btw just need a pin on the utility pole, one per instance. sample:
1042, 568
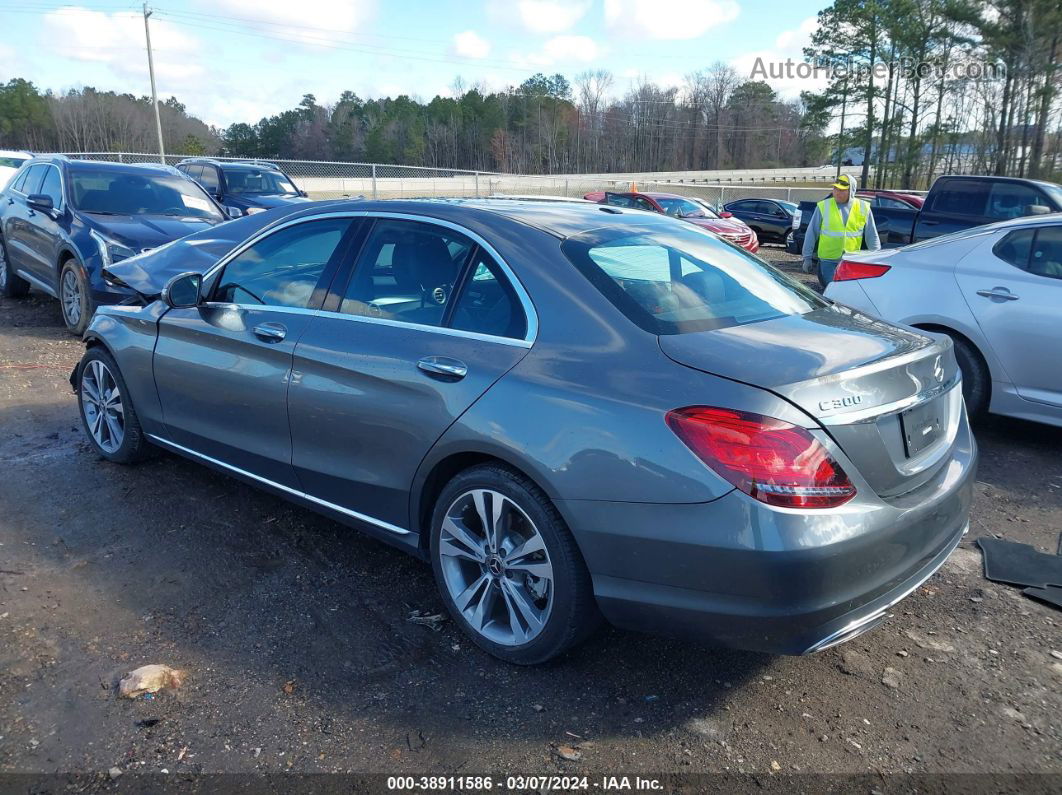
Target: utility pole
154, 94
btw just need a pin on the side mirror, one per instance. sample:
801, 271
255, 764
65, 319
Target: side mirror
39, 201
182, 291
1030, 209
304, 194
726, 214
234, 212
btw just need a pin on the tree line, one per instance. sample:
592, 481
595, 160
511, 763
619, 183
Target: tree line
966, 85
903, 102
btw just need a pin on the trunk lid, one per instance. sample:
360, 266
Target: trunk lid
888, 396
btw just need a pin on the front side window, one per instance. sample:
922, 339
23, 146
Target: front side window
674, 281
107, 192
408, 271
258, 182
52, 186
284, 268
680, 208
30, 182
209, 178
1009, 200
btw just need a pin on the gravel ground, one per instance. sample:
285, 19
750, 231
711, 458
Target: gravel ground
299, 656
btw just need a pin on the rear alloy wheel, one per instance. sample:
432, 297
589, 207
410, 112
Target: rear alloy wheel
976, 384
74, 298
507, 567
11, 284
106, 413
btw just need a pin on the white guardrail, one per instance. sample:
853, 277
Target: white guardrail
331, 179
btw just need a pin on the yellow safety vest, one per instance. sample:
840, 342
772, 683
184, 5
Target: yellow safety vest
836, 237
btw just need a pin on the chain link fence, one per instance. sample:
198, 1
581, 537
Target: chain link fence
330, 180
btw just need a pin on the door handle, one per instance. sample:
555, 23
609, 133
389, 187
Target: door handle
444, 366
270, 332
929, 223
998, 292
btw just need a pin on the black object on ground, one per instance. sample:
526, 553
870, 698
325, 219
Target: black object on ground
1051, 595
1019, 564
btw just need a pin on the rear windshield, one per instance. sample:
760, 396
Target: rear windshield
677, 280
106, 192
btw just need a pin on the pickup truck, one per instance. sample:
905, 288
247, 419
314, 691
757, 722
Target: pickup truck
953, 203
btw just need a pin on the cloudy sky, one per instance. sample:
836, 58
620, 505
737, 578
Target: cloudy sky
237, 60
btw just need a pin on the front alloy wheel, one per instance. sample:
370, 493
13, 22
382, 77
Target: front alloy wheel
496, 567
101, 402
71, 298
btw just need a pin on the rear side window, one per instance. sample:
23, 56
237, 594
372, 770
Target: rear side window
961, 196
1035, 251
673, 281
487, 303
408, 271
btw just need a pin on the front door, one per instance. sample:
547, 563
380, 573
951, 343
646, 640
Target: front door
1013, 286
223, 368
427, 322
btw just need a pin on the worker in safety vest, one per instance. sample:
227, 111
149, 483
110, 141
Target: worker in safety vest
840, 225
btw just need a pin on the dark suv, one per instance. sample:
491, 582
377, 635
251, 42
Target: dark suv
248, 186
62, 221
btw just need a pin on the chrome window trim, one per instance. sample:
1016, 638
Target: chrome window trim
530, 335
272, 483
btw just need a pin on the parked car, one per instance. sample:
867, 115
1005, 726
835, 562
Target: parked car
955, 203
682, 207
891, 198
246, 187
996, 290
567, 409
773, 220
62, 221
11, 161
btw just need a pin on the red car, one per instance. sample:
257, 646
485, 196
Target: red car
892, 198
722, 224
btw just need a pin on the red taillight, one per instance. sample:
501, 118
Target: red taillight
849, 271
768, 459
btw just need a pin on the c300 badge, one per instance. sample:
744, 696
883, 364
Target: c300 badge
840, 403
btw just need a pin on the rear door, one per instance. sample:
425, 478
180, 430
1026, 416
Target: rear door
223, 368
17, 232
1013, 286
429, 319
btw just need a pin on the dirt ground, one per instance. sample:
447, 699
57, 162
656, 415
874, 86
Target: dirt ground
294, 635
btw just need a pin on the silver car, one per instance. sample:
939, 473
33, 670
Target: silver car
996, 290
569, 410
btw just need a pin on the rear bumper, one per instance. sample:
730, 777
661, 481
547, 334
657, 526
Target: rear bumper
737, 573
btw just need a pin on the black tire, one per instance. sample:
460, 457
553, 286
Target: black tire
72, 276
976, 381
11, 284
573, 615
134, 445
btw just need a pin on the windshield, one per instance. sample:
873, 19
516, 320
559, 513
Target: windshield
258, 182
106, 192
681, 208
674, 281
789, 206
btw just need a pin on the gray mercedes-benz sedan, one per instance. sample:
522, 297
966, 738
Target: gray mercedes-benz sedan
570, 410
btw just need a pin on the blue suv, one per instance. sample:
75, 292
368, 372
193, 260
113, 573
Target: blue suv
248, 187
63, 221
